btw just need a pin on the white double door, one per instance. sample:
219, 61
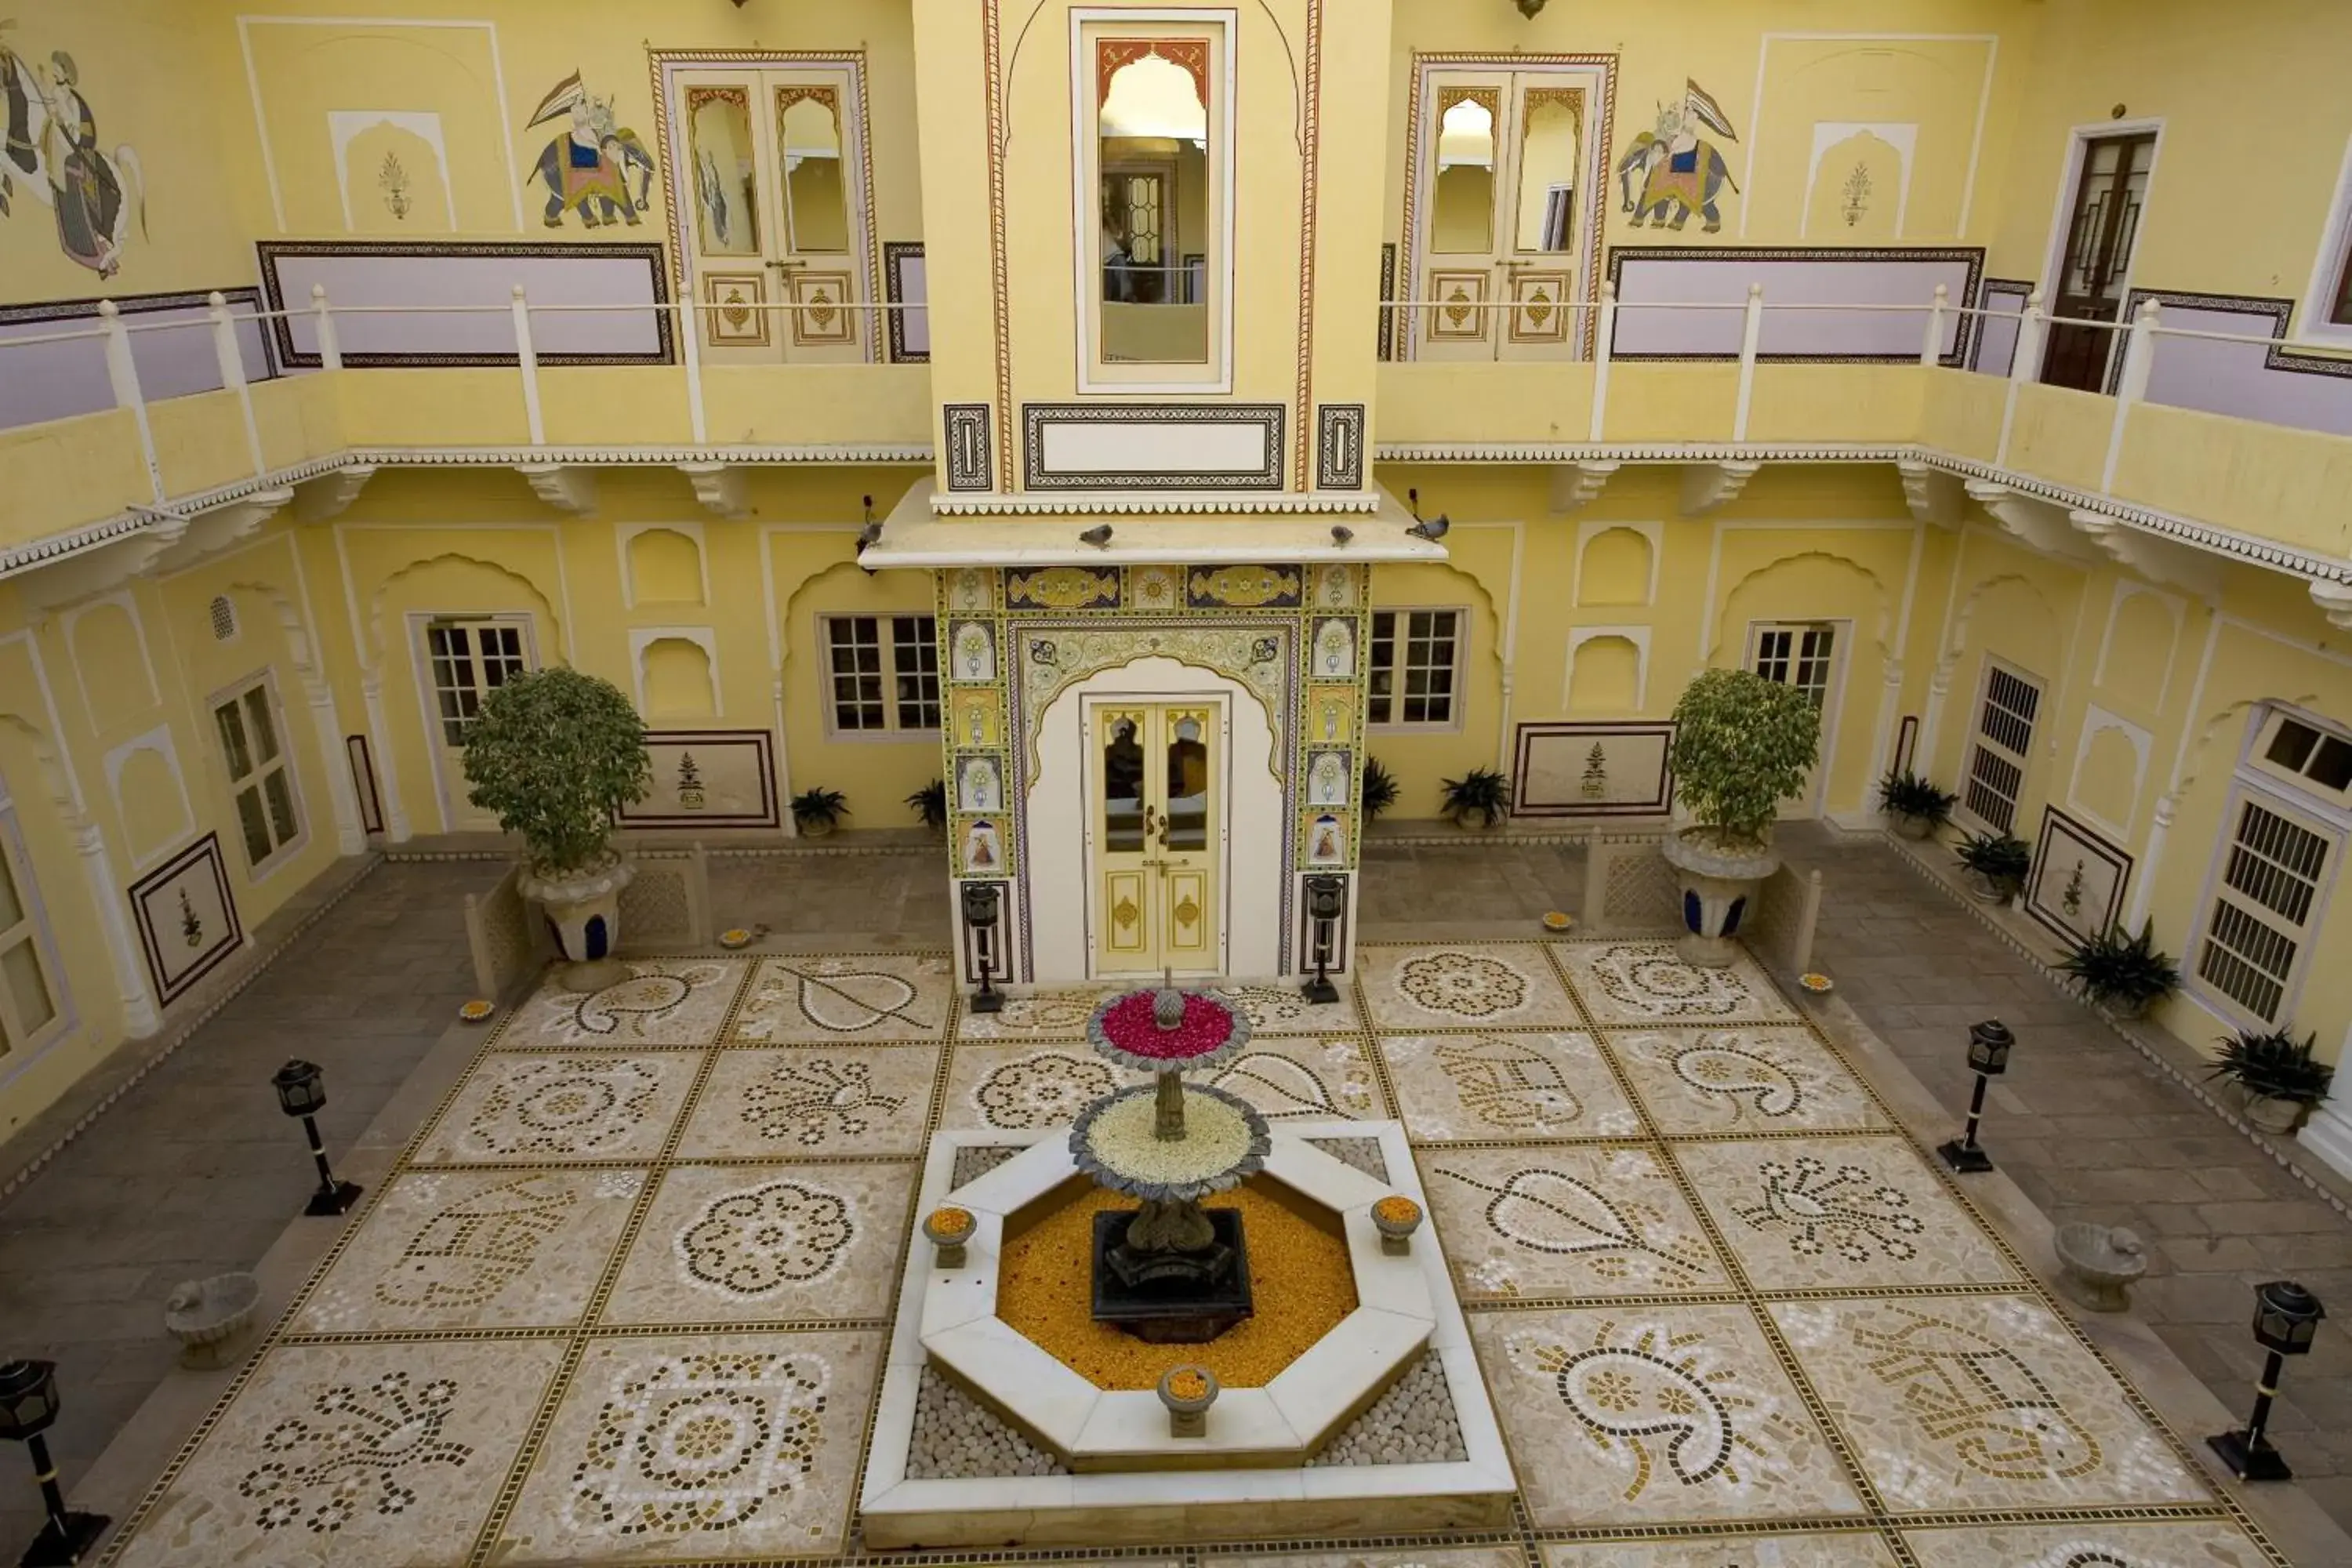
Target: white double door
1810, 657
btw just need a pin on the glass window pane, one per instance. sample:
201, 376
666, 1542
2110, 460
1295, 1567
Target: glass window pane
20, 970
1550, 130
726, 173
281, 806
233, 747
1462, 221
256, 824
2332, 769
1123, 790
1188, 786
265, 733
2291, 744
1154, 240
12, 905
816, 185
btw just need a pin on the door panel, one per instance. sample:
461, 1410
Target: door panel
1806, 655
2110, 189
1157, 835
464, 662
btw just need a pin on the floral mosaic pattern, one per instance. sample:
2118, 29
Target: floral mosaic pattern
1723, 1080
666, 1001
809, 1099
1025, 1088
1802, 1549
1282, 1010
1480, 987
765, 1244
2189, 1543
533, 1109
1645, 983
1530, 1086
1291, 1078
1573, 1221
1057, 1013
742, 1444
886, 996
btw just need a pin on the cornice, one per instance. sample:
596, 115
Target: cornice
1129, 503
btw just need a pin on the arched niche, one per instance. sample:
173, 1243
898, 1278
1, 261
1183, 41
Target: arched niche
2139, 646
150, 800
111, 664
665, 567
2107, 775
1605, 676
674, 679
1615, 568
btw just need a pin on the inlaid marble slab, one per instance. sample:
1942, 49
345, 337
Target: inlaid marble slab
736, 1243
1024, 1086
466, 1249
391, 1453
1550, 1085
666, 1002
1045, 1013
1741, 1079
1981, 1402
1802, 1214
1645, 983
2171, 1543
1803, 1549
1470, 986
862, 999
1289, 1076
1653, 1416
538, 1110
1566, 1221
700, 1446
1283, 1010
1442, 1557
812, 1099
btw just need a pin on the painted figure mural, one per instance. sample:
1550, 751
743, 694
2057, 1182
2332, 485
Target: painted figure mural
52, 148
1673, 169
599, 168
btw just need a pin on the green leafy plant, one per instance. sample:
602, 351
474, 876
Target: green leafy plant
1905, 794
2002, 860
1742, 745
2274, 1065
553, 753
1380, 789
1481, 792
928, 803
819, 810
2128, 971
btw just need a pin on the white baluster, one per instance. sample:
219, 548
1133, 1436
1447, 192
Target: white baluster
1751, 331
1601, 339
691, 347
2023, 365
331, 347
122, 372
1931, 346
2139, 353
231, 357
527, 358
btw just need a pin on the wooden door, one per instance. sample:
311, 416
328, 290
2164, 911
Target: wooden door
1156, 839
2110, 189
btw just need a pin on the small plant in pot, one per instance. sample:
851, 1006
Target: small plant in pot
1742, 745
554, 754
2276, 1074
817, 812
1917, 806
1380, 789
928, 803
2125, 974
1481, 797
1997, 864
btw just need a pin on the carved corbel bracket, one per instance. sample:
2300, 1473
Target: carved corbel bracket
1933, 495
332, 494
1706, 486
2037, 525
719, 487
210, 532
562, 486
2157, 560
2334, 602
1579, 484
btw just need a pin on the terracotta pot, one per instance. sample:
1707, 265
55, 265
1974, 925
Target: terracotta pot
1718, 887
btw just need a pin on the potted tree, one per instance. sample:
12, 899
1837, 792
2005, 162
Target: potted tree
554, 754
1997, 865
930, 804
2276, 1073
1481, 794
1742, 745
817, 812
1917, 806
2124, 974
1380, 788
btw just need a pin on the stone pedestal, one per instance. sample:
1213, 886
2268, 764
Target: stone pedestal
583, 911
1719, 891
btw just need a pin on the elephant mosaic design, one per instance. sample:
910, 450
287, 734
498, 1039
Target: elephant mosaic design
600, 169
1998, 1414
1670, 172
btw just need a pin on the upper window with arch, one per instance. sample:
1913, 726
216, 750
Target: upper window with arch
2306, 754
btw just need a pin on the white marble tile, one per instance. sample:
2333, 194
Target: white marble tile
1552, 1084
665, 1002
1645, 983
1498, 985
862, 999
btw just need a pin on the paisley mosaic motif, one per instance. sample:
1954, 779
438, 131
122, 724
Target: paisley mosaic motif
817, 1100
362, 1453
1548, 1210
566, 1105
749, 1243
1045, 1089
1995, 1414
1662, 1398
1282, 1085
1243, 587
1648, 980
1713, 1067
700, 1441
1507, 1084
640, 1009
464, 1254
1465, 985
1820, 1209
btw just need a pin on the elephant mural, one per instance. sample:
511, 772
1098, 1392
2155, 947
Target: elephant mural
1673, 170
600, 169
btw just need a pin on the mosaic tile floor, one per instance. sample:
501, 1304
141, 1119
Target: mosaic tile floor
624, 1298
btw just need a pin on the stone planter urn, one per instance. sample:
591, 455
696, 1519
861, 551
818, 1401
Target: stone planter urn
2275, 1116
209, 1317
1188, 1391
1718, 889
1396, 1217
2099, 1264
583, 911
1985, 889
1915, 829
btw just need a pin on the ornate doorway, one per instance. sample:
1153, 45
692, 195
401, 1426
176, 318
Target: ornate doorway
1155, 807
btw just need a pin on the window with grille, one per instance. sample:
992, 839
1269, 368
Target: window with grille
224, 618
31, 1004
269, 814
1416, 667
1995, 775
885, 673
2265, 907
470, 659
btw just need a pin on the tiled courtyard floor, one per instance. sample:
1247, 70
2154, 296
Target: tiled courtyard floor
624, 1297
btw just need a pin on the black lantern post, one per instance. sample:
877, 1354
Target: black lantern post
28, 1407
2287, 1318
981, 901
1327, 899
301, 1091
1988, 1047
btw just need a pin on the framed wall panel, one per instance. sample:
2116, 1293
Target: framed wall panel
363, 787
1593, 769
1653, 281
186, 917
2076, 888
1152, 446
709, 778
2272, 382
906, 291
1994, 347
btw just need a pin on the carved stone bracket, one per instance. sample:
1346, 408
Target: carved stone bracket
210, 532
719, 487
1579, 484
2157, 560
1933, 495
1706, 486
332, 494
562, 486
2037, 525
2334, 601
105, 568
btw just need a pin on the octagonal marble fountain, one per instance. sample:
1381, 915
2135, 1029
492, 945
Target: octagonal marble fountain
1037, 1311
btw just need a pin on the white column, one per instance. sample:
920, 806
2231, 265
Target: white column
387, 777
784, 762
350, 834
1933, 719
2329, 1133
139, 1019
2151, 859
1881, 734
2139, 351
689, 340
331, 348
2024, 365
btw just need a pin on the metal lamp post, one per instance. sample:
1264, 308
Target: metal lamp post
1326, 898
2286, 1317
1989, 1048
28, 1407
301, 1091
981, 907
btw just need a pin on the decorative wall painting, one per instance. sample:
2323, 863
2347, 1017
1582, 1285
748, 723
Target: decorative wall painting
2077, 885
1672, 172
186, 917
975, 719
982, 849
1326, 839
979, 784
973, 652
52, 154
599, 168
1328, 778
1331, 715
1601, 768
1335, 648
708, 778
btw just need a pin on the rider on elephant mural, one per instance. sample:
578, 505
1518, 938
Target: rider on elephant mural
589, 170
1677, 169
